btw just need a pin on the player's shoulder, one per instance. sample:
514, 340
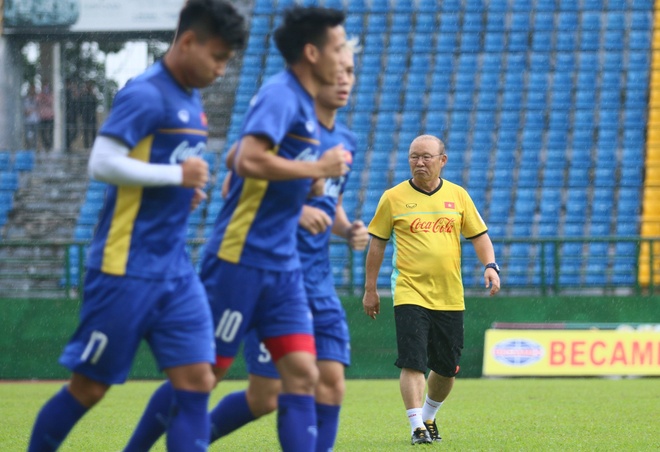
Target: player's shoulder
145, 86
453, 186
346, 134
282, 86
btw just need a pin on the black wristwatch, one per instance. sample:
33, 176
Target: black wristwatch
494, 266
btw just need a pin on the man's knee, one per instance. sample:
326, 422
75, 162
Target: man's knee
87, 391
196, 377
299, 373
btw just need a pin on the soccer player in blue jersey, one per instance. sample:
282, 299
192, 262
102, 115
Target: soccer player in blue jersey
250, 269
140, 284
322, 214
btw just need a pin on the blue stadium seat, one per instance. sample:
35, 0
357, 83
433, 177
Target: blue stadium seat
354, 25
263, 7
398, 43
615, 20
574, 227
446, 42
24, 160
427, 6
589, 41
401, 23
470, 42
284, 4
376, 23
639, 40
421, 44
378, 6
8, 180
449, 23
356, 6
566, 41
400, 6
592, 5
613, 40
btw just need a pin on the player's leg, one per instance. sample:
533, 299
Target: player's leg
412, 329
329, 395
333, 356
260, 398
181, 338
284, 320
189, 427
444, 347
58, 416
99, 354
296, 418
242, 407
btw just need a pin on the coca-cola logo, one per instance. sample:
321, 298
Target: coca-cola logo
442, 224
184, 150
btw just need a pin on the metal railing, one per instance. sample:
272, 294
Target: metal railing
543, 266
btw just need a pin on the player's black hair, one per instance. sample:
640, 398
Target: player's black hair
305, 26
213, 18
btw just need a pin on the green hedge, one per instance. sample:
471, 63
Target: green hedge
33, 332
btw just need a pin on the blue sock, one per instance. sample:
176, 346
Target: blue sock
154, 420
55, 420
296, 422
231, 413
189, 424
327, 421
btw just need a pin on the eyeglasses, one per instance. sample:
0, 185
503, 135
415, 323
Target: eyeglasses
425, 158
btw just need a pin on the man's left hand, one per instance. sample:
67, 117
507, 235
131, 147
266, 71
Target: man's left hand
358, 235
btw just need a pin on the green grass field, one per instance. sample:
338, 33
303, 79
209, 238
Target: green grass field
505, 414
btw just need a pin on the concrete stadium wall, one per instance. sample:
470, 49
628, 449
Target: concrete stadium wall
33, 332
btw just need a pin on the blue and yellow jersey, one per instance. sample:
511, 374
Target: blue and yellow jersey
142, 230
257, 224
426, 229
314, 248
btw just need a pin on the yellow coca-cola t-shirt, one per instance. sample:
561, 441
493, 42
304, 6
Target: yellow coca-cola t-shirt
426, 233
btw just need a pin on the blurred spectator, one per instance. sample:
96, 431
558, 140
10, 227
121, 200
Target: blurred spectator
88, 102
46, 116
31, 115
73, 108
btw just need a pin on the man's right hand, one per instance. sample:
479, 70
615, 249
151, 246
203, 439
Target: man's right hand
371, 303
333, 162
195, 172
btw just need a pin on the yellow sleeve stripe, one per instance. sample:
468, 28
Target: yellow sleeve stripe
305, 139
199, 132
127, 205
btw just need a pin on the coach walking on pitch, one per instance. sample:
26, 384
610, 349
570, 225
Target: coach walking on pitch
426, 216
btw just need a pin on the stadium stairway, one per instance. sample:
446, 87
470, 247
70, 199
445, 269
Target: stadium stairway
46, 207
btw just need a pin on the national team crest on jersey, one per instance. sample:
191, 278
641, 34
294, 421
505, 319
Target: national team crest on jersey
184, 116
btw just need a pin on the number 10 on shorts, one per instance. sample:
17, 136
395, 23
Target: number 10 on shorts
228, 325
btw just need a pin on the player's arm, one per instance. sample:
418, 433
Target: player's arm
375, 255
355, 232
486, 255
110, 162
256, 159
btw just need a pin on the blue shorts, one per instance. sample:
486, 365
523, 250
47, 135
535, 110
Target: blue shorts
172, 315
242, 297
330, 334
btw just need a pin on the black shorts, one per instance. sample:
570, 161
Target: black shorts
428, 339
